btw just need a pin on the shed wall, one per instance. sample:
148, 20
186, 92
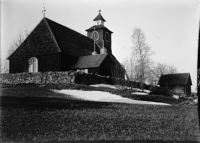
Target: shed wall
176, 88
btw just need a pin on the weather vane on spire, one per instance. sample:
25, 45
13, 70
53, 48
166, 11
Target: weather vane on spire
99, 10
44, 10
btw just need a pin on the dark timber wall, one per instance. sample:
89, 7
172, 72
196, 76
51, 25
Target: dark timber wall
49, 63
67, 61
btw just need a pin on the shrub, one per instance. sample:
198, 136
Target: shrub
161, 91
88, 79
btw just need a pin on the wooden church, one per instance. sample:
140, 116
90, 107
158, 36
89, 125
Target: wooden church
54, 47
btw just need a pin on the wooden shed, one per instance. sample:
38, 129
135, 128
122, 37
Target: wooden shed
179, 83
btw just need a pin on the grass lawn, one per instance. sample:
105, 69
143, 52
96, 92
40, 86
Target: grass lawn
32, 113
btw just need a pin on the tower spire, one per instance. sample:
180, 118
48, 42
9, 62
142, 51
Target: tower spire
99, 19
43, 9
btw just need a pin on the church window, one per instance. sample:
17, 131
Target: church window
33, 65
107, 36
95, 35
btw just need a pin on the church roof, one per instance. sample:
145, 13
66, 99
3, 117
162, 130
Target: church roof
91, 61
50, 37
175, 79
98, 27
70, 41
99, 17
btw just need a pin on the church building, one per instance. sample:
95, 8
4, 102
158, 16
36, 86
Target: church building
54, 47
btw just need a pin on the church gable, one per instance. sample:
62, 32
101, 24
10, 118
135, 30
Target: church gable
39, 42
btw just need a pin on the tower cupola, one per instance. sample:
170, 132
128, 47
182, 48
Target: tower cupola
99, 19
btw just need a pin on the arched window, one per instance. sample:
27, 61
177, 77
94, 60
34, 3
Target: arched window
33, 65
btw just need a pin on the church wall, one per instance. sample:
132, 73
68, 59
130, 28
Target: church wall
45, 63
107, 41
49, 63
102, 37
105, 68
67, 61
99, 42
17, 66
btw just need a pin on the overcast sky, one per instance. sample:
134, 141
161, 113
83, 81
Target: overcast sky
170, 26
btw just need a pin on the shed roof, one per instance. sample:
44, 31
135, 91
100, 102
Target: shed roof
175, 79
91, 61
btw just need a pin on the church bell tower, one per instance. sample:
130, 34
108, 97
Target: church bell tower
102, 34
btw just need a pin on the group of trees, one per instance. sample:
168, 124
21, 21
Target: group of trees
140, 66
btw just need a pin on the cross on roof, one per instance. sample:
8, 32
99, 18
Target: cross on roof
44, 10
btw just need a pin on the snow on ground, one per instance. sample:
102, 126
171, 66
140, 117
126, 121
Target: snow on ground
104, 85
145, 90
103, 97
175, 96
140, 93
114, 87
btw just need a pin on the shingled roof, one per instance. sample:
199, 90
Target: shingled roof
70, 41
175, 79
49, 37
91, 61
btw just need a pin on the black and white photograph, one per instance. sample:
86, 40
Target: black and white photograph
99, 70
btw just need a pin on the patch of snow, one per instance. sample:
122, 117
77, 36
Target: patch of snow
175, 96
140, 93
103, 97
145, 90
136, 89
104, 85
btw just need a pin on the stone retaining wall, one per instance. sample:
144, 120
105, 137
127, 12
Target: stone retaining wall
38, 78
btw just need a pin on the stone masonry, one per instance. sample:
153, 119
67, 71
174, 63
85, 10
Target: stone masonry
38, 78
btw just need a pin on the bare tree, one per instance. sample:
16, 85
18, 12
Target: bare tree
141, 56
162, 68
18, 41
23, 53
